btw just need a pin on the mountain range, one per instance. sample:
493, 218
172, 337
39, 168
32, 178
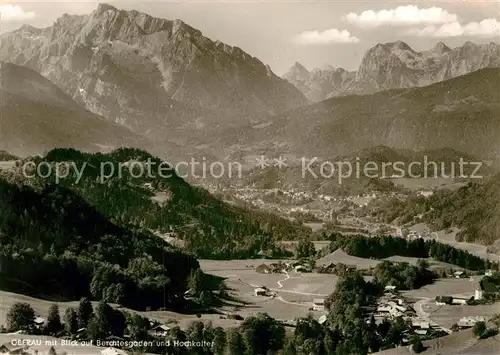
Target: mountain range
392, 66
460, 113
145, 72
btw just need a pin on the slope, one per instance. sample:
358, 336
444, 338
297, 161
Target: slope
137, 190
55, 245
395, 65
145, 72
460, 113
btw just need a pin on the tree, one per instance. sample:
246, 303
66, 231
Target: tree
235, 343
103, 320
54, 320
205, 299
262, 334
219, 341
195, 282
138, 327
21, 316
52, 351
417, 345
176, 334
304, 249
85, 312
71, 321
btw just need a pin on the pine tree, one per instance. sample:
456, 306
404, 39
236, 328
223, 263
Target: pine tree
85, 312
21, 316
71, 321
54, 320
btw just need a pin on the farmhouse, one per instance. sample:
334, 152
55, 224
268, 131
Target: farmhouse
443, 300
322, 319
458, 274
459, 301
390, 288
425, 193
384, 308
260, 291
40, 322
420, 323
467, 322
160, 330
319, 304
300, 268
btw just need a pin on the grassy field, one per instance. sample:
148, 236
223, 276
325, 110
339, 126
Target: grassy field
476, 249
294, 292
339, 256
443, 287
449, 315
6, 165
433, 264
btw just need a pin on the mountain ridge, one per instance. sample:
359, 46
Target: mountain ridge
38, 116
460, 113
145, 72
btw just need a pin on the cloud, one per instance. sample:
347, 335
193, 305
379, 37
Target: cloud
486, 28
409, 15
329, 36
14, 13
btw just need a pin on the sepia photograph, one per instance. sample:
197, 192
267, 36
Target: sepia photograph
250, 177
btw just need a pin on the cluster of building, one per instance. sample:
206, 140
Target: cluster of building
392, 305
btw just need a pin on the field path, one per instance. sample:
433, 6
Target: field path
280, 285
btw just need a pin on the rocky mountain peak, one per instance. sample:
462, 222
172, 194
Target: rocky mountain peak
28, 29
400, 45
297, 72
114, 62
397, 65
104, 7
441, 48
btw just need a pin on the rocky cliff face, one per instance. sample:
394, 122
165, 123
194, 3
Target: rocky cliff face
142, 71
318, 84
396, 65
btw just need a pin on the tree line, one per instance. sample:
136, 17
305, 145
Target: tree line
209, 227
53, 244
381, 247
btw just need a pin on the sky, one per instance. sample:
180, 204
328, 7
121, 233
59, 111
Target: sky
314, 33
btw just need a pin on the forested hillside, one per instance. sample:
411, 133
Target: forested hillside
474, 208
165, 203
55, 245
